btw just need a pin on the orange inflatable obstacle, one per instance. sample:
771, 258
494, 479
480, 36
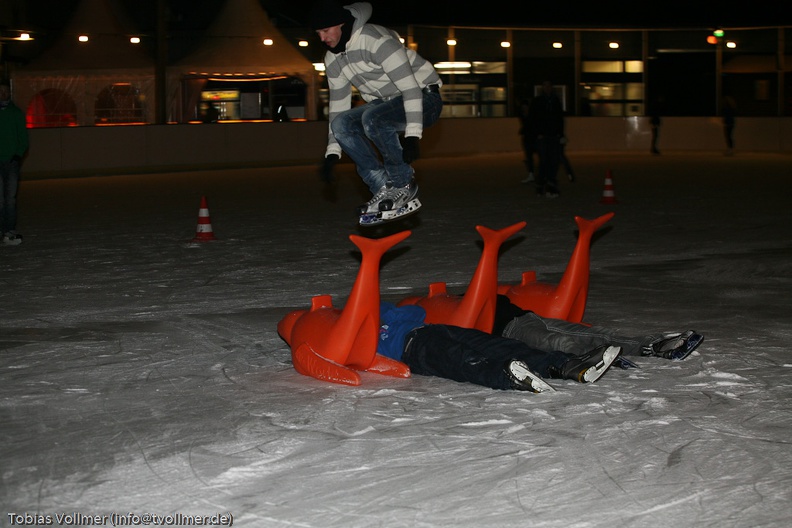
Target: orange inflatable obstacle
567, 299
476, 309
331, 344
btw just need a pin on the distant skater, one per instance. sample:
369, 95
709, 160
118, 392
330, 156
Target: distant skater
13, 146
528, 140
546, 125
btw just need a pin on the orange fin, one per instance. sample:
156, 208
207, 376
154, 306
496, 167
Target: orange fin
389, 367
309, 363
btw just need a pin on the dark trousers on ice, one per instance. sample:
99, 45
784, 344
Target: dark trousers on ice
9, 186
466, 355
549, 150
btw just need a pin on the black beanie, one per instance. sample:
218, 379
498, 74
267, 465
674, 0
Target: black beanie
327, 13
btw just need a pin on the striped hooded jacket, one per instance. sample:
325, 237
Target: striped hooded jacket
380, 67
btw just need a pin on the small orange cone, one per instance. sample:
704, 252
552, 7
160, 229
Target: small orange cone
203, 232
608, 194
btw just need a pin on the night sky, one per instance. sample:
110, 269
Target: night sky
186, 19
195, 14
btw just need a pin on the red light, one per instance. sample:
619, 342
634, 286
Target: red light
712, 39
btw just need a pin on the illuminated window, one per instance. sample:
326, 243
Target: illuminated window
453, 67
603, 66
488, 67
633, 91
633, 66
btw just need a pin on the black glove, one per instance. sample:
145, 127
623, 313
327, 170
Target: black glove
410, 150
326, 169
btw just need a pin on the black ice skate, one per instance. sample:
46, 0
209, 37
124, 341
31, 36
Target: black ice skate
12, 238
676, 346
589, 367
390, 203
523, 379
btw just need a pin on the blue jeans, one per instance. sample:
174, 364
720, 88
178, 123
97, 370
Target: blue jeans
472, 356
572, 338
9, 185
369, 134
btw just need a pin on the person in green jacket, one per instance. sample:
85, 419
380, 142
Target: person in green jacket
13, 146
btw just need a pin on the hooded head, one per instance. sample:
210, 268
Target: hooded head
329, 14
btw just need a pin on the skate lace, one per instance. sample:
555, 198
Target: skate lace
669, 342
401, 194
382, 193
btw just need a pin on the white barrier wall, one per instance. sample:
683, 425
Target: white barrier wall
60, 152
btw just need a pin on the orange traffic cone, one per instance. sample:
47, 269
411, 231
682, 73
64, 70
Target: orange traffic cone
608, 194
203, 232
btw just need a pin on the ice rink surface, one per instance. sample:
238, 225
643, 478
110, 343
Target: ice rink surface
141, 373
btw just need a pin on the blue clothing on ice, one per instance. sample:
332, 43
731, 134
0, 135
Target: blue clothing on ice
470, 355
395, 324
452, 352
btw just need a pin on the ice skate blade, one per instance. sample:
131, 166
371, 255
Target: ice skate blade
690, 345
381, 217
594, 373
523, 379
624, 363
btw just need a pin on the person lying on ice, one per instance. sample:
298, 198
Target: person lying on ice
575, 338
499, 361
470, 355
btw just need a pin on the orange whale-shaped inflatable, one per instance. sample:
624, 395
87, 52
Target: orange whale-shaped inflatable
476, 309
331, 344
567, 299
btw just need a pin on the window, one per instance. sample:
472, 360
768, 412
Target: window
51, 108
119, 103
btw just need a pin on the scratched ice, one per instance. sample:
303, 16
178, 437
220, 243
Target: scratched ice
142, 373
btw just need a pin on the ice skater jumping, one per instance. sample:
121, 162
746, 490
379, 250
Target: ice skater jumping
401, 91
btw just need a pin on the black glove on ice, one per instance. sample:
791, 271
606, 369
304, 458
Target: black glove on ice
326, 169
410, 150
